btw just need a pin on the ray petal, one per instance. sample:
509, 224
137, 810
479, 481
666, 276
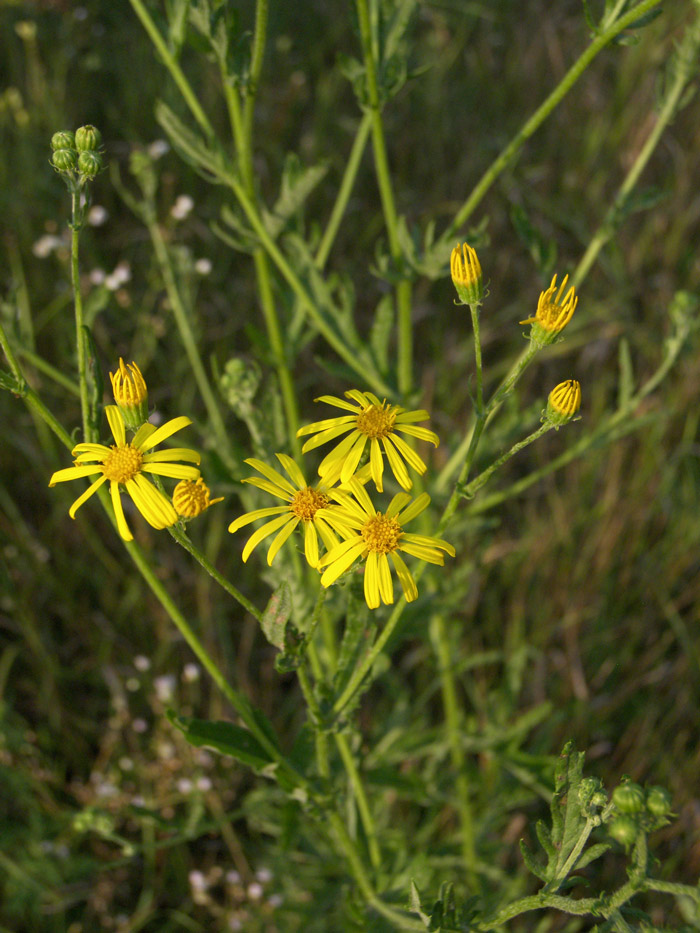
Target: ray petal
86, 495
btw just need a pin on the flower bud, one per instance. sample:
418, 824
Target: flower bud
87, 138
658, 801
131, 394
63, 140
628, 797
465, 269
65, 160
624, 830
89, 163
191, 497
563, 403
554, 311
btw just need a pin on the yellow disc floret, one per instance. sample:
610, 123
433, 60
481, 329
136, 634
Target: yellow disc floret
122, 463
382, 533
307, 502
377, 420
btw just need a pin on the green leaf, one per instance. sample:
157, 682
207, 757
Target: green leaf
534, 864
357, 641
223, 737
414, 903
276, 615
380, 333
211, 164
590, 855
297, 184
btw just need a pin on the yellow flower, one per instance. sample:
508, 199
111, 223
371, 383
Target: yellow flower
373, 421
372, 535
303, 504
554, 311
465, 269
563, 402
191, 497
125, 465
130, 394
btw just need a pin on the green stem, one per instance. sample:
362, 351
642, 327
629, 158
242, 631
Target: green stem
471, 438
386, 193
453, 725
184, 541
469, 491
611, 221
361, 799
237, 700
51, 371
78, 306
274, 333
256, 62
345, 190
173, 67
186, 334
539, 116
373, 380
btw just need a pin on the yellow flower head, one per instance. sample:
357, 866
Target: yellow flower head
466, 275
191, 497
130, 393
126, 465
374, 537
303, 503
373, 421
554, 311
563, 402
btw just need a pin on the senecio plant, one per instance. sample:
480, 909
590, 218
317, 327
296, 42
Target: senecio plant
363, 527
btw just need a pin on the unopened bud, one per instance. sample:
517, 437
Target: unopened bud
65, 160
465, 269
63, 140
563, 403
87, 138
658, 801
89, 163
628, 797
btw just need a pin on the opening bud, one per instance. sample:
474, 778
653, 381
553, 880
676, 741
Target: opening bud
88, 138
563, 403
555, 308
465, 269
191, 498
63, 140
130, 393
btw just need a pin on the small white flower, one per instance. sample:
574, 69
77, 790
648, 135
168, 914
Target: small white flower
97, 276
198, 881
233, 877
164, 687
203, 266
142, 663
97, 215
184, 785
45, 245
204, 784
191, 672
139, 725
264, 875
255, 891
158, 148
182, 206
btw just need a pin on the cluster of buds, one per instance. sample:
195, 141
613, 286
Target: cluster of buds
191, 497
638, 810
77, 155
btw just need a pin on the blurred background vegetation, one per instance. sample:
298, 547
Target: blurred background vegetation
583, 592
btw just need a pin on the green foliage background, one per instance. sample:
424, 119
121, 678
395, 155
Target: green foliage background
583, 593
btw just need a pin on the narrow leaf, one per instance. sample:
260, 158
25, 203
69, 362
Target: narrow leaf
276, 615
223, 737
